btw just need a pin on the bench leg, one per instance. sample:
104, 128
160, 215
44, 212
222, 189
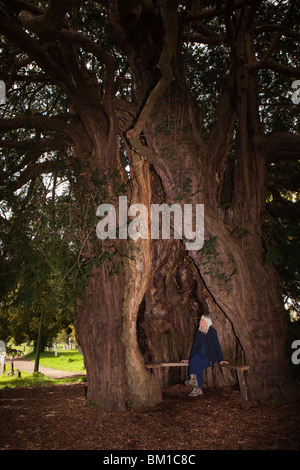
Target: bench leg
242, 384
157, 375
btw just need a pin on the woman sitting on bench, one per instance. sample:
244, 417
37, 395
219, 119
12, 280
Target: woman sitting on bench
205, 352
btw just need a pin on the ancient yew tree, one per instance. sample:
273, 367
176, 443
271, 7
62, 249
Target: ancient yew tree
164, 102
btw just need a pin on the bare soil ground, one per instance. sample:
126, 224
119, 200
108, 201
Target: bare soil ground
57, 417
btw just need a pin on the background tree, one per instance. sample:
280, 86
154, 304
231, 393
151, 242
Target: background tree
164, 102
281, 229
34, 263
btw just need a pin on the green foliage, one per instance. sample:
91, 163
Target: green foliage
209, 247
273, 400
34, 262
48, 245
240, 232
34, 380
26, 380
46, 261
275, 90
281, 228
206, 87
92, 404
69, 360
211, 265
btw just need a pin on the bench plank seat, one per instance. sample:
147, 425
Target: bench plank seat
239, 368
157, 365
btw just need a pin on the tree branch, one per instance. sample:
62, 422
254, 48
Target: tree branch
30, 173
209, 13
13, 73
205, 39
286, 31
279, 147
280, 31
169, 15
15, 33
32, 151
224, 120
51, 20
40, 146
36, 122
18, 5
85, 43
269, 52
271, 64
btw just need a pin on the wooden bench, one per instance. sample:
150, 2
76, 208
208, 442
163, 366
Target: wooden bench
239, 368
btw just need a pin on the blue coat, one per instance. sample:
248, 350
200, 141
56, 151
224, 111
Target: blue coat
211, 344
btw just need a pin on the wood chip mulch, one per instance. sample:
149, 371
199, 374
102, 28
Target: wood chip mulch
57, 417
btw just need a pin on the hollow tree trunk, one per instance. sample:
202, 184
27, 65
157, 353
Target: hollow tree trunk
170, 312
171, 307
144, 390
245, 290
240, 292
254, 306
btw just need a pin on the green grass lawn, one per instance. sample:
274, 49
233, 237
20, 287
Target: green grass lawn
65, 360
69, 360
33, 380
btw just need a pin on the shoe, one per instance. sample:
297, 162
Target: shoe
192, 381
196, 392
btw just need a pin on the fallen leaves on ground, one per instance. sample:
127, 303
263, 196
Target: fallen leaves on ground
56, 417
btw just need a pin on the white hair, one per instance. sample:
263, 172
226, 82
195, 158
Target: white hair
208, 323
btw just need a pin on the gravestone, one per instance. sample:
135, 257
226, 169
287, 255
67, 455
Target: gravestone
2, 356
2, 92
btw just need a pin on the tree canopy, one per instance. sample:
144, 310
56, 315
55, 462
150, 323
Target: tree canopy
34, 208
97, 89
